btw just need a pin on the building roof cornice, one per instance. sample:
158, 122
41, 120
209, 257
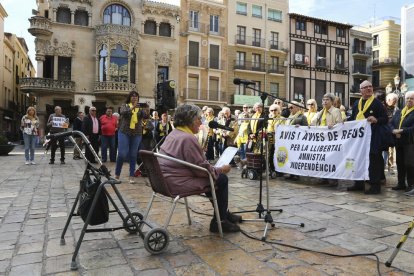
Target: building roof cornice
3, 12
315, 19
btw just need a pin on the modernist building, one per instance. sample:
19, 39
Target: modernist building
407, 45
257, 49
360, 65
319, 58
203, 53
96, 52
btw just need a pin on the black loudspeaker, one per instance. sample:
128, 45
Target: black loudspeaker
166, 95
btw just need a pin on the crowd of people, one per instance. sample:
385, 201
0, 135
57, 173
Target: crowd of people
134, 128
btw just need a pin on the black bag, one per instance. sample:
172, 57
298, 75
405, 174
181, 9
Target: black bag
101, 212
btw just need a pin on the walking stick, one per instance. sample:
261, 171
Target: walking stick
400, 243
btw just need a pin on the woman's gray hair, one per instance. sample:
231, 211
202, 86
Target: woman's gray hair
330, 96
185, 114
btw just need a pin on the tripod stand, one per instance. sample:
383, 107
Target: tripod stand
267, 219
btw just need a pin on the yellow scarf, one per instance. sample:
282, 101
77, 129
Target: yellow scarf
323, 119
185, 129
360, 115
310, 117
253, 123
242, 136
134, 117
404, 114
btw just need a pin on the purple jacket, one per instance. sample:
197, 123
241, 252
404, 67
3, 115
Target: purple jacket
181, 179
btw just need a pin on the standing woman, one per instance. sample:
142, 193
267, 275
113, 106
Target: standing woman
130, 133
312, 110
29, 126
403, 123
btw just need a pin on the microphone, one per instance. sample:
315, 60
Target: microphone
238, 81
214, 124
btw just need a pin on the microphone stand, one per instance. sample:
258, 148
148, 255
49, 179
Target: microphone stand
268, 219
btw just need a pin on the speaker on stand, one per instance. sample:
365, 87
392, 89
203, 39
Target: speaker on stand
166, 96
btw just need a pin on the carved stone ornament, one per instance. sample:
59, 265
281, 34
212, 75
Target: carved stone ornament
160, 9
111, 35
89, 2
163, 59
64, 49
81, 100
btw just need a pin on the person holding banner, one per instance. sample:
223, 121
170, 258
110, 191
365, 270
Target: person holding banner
403, 123
296, 119
371, 109
329, 115
57, 123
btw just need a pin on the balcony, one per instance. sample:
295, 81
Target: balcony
195, 61
28, 85
249, 66
277, 46
387, 61
205, 95
276, 69
341, 66
113, 29
361, 71
113, 87
217, 64
321, 62
361, 51
195, 26
219, 32
250, 41
300, 59
40, 26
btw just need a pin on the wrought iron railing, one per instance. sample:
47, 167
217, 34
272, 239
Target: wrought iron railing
43, 83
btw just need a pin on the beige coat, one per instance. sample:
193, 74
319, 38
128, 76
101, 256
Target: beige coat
333, 116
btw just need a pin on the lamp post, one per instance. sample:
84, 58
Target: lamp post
396, 91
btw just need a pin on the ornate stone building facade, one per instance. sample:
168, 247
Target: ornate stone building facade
96, 52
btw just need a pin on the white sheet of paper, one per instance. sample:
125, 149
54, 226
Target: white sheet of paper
226, 156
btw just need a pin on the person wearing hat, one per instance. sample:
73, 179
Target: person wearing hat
91, 127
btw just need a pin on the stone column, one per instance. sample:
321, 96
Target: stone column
157, 30
72, 17
55, 67
172, 31
54, 14
39, 70
90, 19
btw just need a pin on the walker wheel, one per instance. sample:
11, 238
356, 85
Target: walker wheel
273, 175
244, 173
130, 227
156, 241
252, 174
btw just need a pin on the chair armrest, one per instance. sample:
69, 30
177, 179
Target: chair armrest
185, 163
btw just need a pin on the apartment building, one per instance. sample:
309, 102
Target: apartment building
386, 52
407, 45
203, 53
360, 65
15, 64
96, 52
319, 58
257, 49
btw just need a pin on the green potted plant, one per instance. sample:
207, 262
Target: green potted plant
5, 145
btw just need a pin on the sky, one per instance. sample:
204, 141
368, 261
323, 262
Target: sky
355, 12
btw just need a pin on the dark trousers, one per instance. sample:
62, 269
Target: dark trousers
222, 194
53, 148
94, 140
210, 148
108, 141
403, 170
375, 171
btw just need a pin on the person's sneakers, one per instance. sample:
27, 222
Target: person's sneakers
131, 180
226, 225
32, 163
62, 162
399, 187
51, 162
233, 218
27, 163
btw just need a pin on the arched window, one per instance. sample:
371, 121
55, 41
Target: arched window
150, 27
118, 68
103, 62
81, 18
165, 29
133, 67
117, 14
63, 15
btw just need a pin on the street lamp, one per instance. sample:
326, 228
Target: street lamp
388, 88
397, 83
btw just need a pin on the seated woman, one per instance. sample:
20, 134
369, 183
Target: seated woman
182, 144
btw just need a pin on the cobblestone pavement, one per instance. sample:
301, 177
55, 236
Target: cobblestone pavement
35, 201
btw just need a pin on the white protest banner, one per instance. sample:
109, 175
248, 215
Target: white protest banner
60, 122
339, 153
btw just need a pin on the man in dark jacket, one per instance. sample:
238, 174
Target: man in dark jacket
91, 128
77, 125
371, 109
57, 123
